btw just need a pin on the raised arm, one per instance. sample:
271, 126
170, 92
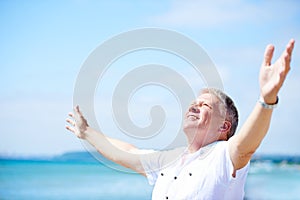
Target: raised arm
115, 150
271, 78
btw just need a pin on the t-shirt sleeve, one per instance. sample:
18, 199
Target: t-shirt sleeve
237, 182
228, 163
154, 161
239, 173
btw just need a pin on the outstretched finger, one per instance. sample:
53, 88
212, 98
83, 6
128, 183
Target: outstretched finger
71, 114
268, 55
286, 60
70, 121
77, 110
287, 54
70, 129
290, 46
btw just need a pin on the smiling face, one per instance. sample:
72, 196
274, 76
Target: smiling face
203, 120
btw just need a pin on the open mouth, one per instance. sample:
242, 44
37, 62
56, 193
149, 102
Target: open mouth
193, 117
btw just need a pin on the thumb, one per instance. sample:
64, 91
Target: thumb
77, 109
268, 55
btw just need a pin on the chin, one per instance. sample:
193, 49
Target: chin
190, 130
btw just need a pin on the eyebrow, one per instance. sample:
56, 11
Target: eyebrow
195, 102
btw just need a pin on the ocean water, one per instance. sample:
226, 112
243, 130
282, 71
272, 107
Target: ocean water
68, 180
76, 180
269, 181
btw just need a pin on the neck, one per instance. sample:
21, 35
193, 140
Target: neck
194, 145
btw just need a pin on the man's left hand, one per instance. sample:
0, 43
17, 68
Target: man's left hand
272, 76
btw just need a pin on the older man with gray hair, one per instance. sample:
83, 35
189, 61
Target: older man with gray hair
215, 163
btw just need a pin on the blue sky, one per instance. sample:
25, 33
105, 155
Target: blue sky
44, 43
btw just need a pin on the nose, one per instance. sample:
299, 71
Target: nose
194, 109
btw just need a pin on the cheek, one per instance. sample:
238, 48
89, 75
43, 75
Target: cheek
204, 119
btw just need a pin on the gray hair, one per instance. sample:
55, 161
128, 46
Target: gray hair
231, 111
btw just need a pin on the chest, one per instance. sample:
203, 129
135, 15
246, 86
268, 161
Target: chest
187, 181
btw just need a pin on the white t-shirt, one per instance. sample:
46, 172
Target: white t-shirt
205, 174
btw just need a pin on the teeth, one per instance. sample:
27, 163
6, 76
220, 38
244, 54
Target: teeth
193, 117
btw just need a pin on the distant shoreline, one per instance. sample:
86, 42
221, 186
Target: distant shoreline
276, 159
87, 157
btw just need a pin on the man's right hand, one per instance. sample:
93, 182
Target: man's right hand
77, 124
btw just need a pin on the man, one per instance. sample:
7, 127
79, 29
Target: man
215, 163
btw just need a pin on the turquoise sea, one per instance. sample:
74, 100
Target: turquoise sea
90, 179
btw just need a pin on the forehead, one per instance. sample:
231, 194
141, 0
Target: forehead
208, 97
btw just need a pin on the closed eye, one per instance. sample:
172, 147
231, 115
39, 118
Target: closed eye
207, 105
194, 103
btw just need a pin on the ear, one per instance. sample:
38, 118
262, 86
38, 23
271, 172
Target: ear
225, 128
